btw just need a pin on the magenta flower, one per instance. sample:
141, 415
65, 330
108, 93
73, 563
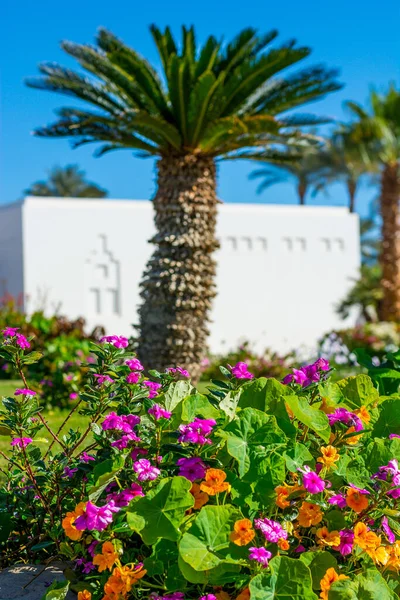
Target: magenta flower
96, 517
85, 457
123, 423
338, 500
298, 377
68, 472
134, 364
73, 396
272, 530
342, 415
311, 481
21, 442
103, 378
153, 388
118, 341
178, 371
392, 470
192, 468
159, 412
322, 364
125, 440
122, 499
346, 542
395, 493
208, 597
10, 331
197, 431
389, 533
133, 377
92, 548
307, 374
261, 555
138, 452
393, 436
145, 470
24, 392
22, 342
241, 371
300, 548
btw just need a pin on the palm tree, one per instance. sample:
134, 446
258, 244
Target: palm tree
209, 101
340, 160
377, 132
303, 172
66, 182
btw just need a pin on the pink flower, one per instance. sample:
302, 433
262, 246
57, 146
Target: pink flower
134, 364
10, 331
197, 431
307, 374
159, 413
393, 436
138, 452
241, 371
389, 533
96, 517
21, 442
145, 470
192, 468
178, 371
300, 548
118, 341
73, 396
85, 457
298, 376
133, 377
338, 500
153, 388
24, 392
122, 499
103, 379
68, 472
272, 530
311, 481
346, 542
22, 342
208, 597
125, 440
261, 555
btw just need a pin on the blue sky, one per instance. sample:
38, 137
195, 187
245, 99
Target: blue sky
361, 37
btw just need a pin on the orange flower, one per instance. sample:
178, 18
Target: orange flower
365, 539
329, 456
326, 407
309, 514
328, 538
68, 522
242, 533
363, 414
379, 555
283, 544
215, 482
244, 594
394, 556
354, 439
122, 580
200, 498
283, 492
330, 577
85, 595
355, 500
107, 558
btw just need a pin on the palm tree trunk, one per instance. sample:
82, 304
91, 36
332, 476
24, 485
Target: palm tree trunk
302, 190
178, 283
390, 252
351, 188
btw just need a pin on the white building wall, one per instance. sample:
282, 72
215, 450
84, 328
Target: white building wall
281, 269
11, 249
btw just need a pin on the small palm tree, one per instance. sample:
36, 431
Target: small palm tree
303, 172
211, 100
377, 133
66, 182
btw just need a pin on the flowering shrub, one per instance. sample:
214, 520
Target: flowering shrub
266, 364
260, 490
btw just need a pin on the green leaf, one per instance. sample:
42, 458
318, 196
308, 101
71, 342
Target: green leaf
4, 430
230, 403
288, 579
31, 358
358, 391
42, 545
57, 591
249, 434
198, 405
159, 514
103, 474
313, 418
389, 419
223, 573
207, 543
296, 457
176, 393
6, 526
318, 563
369, 585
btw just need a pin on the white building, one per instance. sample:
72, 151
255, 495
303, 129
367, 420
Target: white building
281, 269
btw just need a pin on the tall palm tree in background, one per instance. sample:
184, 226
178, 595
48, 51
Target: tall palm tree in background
66, 182
377, 133
209, 101
340, 160
303, 172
